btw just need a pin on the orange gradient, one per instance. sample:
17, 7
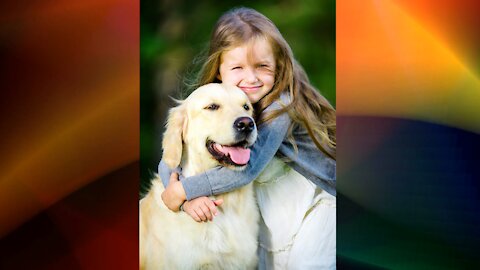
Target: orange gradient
71, 102
389, 63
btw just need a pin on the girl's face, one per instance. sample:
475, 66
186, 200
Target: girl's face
251, 67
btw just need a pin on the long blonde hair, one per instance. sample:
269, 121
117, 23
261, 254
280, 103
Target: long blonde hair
307, 108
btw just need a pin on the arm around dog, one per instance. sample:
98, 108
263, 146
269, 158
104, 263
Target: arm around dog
220, 180
309, 161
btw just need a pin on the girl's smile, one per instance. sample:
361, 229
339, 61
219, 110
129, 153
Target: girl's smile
250, 89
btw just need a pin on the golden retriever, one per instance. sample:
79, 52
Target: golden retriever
212, 127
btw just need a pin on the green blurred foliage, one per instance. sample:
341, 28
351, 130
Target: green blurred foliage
174, 32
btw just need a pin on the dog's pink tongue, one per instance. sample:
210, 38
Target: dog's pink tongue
239, 155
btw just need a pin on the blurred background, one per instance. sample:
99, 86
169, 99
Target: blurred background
174, 33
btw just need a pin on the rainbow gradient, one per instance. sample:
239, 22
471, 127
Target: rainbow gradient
408, 104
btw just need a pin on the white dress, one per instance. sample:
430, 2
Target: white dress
298, 224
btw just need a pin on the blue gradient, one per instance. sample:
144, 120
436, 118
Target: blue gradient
413, 199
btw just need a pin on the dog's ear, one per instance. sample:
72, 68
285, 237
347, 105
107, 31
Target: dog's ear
174, 135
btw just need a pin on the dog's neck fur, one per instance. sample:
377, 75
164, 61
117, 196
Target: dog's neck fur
192, 167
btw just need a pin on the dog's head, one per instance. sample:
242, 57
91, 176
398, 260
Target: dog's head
213, 126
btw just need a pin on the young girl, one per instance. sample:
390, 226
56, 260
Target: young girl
293, 160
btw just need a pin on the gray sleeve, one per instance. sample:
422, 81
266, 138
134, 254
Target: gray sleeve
164, 171
220, 179
311, 163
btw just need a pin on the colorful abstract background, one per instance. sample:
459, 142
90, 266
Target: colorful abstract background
69, 138
408, 105
408, 102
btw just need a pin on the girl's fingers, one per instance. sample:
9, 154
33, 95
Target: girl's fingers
206, 211
195, 217
212, 208
200, 214
218, 202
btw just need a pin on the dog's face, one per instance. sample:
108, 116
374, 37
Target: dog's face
216, 126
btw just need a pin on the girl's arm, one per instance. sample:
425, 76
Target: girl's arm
309, 161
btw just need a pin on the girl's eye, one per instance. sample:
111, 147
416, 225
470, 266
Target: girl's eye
212, 107
262, 67
236, 68
246, 107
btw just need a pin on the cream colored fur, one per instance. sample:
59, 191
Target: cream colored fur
170, 240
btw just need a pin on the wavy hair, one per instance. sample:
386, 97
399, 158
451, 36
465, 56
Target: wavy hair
307, 107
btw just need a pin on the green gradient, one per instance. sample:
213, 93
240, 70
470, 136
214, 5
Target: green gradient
368, 238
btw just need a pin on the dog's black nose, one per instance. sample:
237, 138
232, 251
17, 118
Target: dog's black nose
244, 124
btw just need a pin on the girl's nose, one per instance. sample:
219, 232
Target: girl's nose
251, 76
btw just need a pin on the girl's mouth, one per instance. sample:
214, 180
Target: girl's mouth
249, 89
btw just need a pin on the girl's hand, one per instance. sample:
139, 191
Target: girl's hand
174, 195
202, 208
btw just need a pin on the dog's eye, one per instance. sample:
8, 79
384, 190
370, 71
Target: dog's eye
212, 107
246, 107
